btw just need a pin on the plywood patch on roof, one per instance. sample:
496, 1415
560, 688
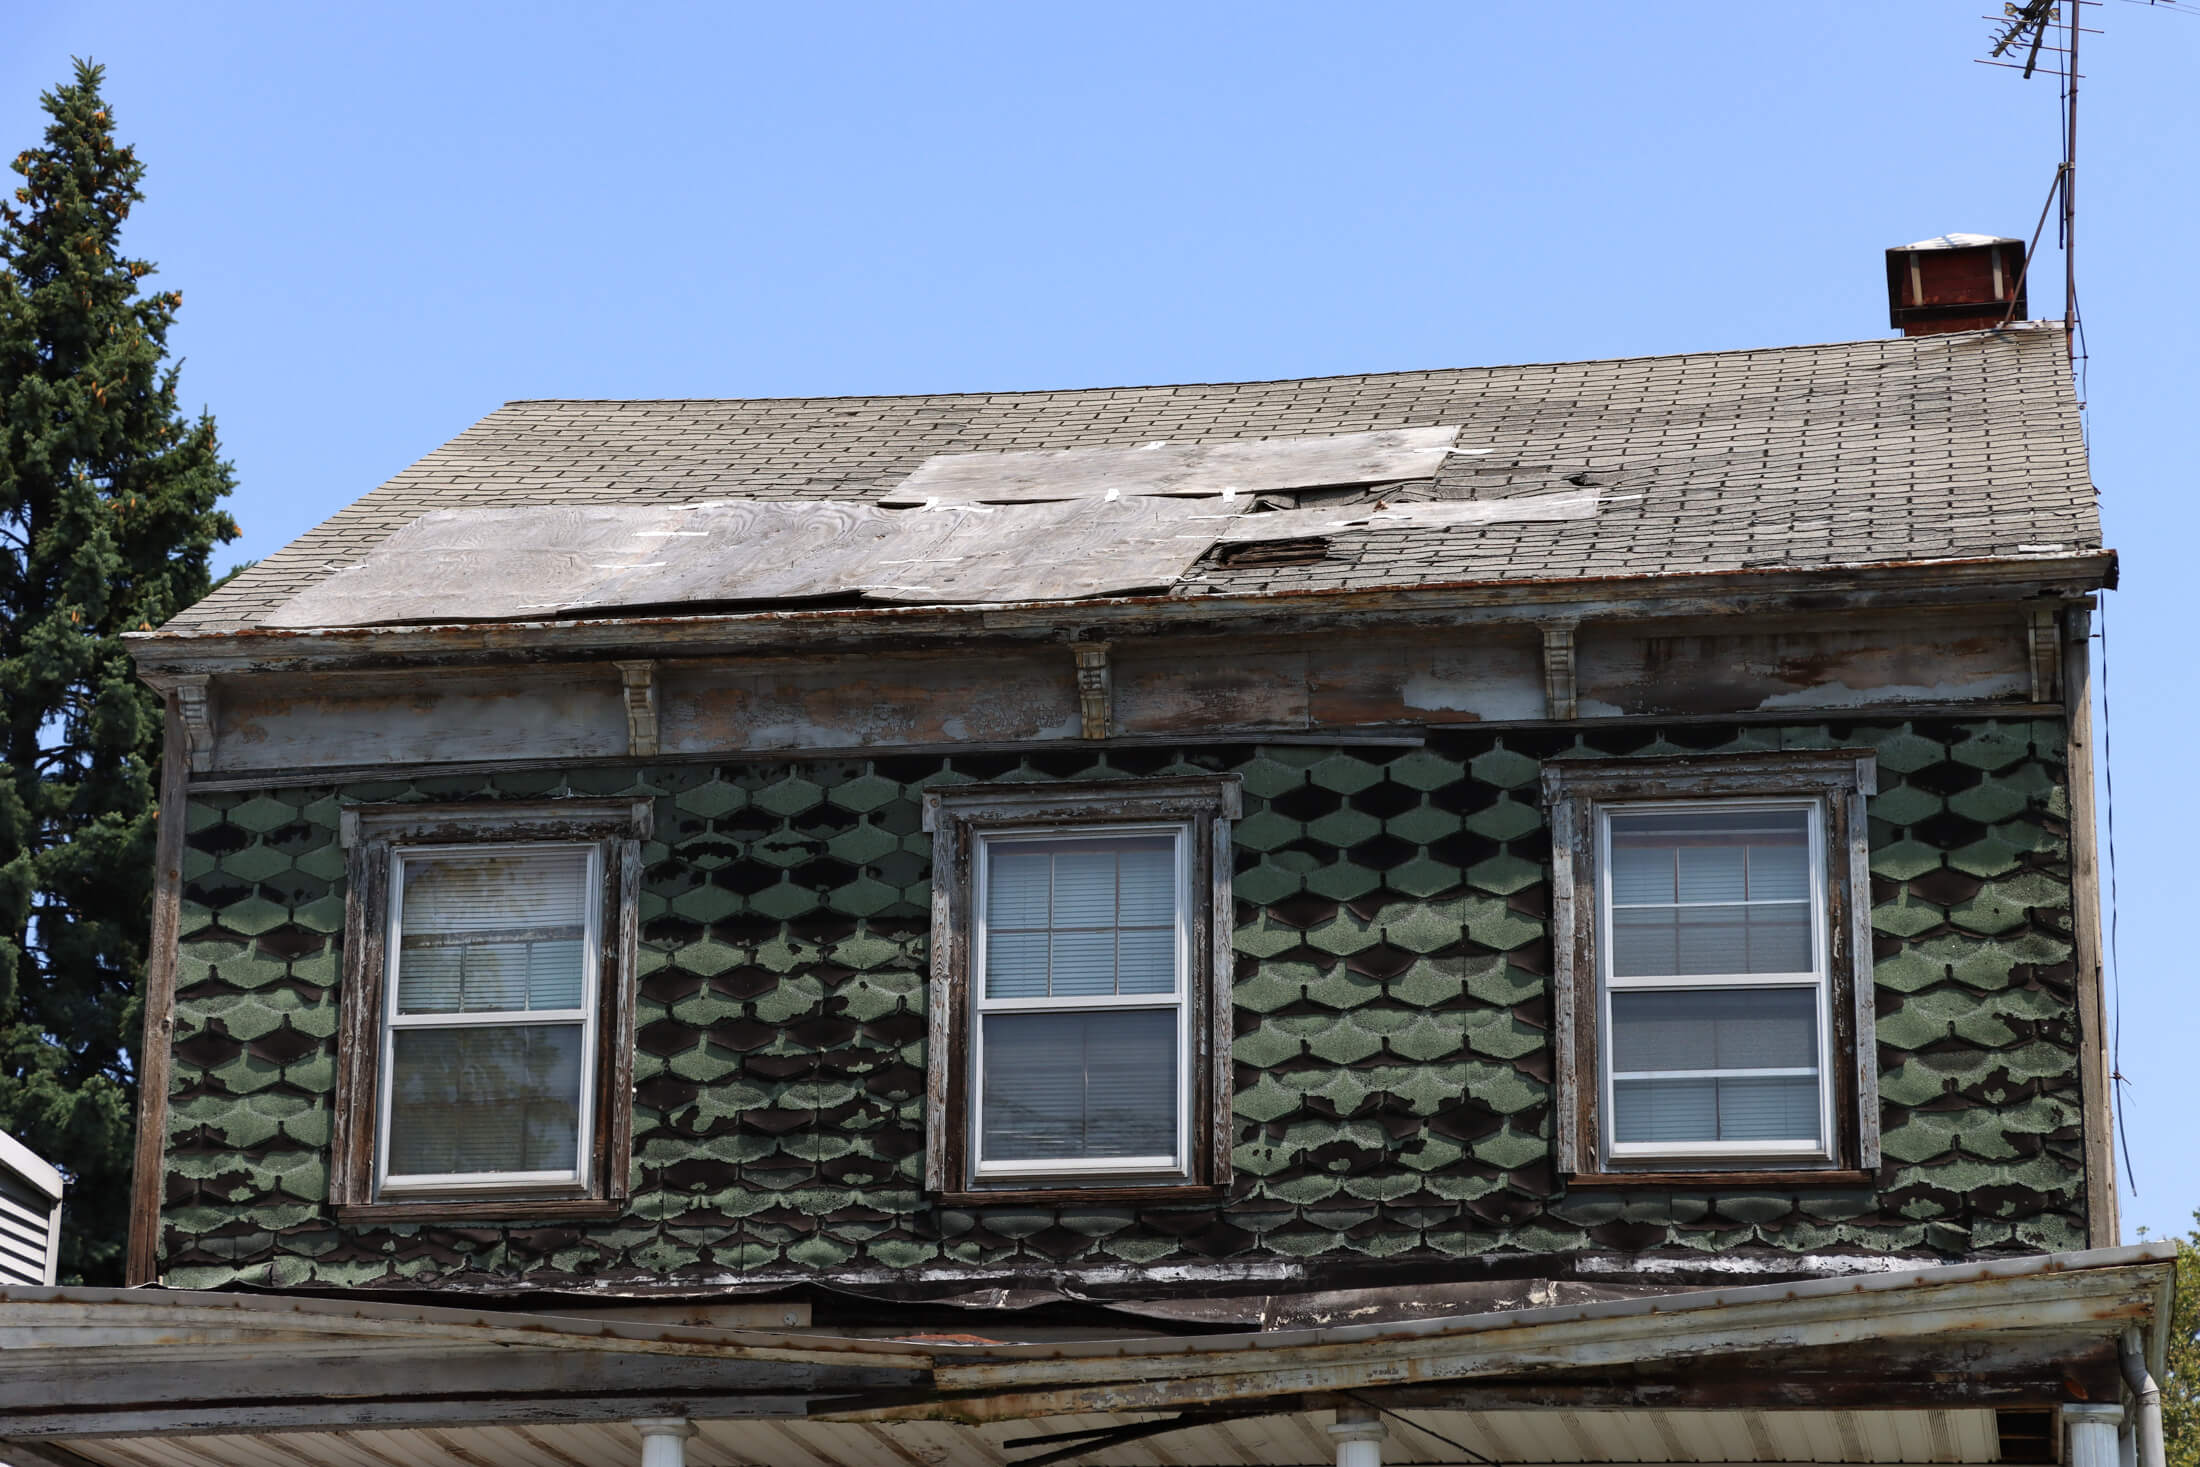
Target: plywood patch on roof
539, 562
1162, 467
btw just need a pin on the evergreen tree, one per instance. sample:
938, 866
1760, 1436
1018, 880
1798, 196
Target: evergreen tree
107, 517
2181, 1382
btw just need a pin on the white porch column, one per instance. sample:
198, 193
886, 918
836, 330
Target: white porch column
1358, 1432
2093, 1435
664, 1440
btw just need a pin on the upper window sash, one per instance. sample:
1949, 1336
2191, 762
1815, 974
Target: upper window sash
1172, 1002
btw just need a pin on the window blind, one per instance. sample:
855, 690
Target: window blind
485, 936
1082, 1086
492, 933
1081, 918
485, 1099
1711, 892
1673, 1054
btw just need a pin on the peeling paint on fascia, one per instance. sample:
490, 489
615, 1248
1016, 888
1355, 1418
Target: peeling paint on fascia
1440, 695
1841, 695
1803, 1265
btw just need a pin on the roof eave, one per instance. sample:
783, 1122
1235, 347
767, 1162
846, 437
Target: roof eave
1853, 586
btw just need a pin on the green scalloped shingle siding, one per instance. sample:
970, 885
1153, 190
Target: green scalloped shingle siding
1391, 1055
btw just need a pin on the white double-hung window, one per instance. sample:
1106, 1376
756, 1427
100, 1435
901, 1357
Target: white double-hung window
485, 1065
487, 1068
1716, 987
1711, 975
1078, 1056
1079, 1009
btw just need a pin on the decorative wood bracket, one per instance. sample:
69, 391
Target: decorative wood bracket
1558, 670
2043, 634
194, 707
640, 679
1095, 689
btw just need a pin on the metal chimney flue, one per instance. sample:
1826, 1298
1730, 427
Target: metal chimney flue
1956, 282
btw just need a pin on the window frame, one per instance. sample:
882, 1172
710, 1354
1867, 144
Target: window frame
1581, 795
964, 820
1172, 1168
377, 840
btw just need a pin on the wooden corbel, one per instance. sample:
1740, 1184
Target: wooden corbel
194, 710
1558, 670
1095, 689
640, 680
2043, 635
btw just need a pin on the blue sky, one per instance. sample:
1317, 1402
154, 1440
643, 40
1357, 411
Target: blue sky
386, 219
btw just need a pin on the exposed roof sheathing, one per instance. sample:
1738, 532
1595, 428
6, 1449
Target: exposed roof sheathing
1941, 447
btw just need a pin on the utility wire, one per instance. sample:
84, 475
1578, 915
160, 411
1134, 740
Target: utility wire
1461, 1447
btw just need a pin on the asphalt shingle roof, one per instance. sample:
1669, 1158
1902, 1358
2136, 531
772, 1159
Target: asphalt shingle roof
1935, 447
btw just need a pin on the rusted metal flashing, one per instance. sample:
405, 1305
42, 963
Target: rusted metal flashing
1095, 689
1558, 670
639, 680
155, 1059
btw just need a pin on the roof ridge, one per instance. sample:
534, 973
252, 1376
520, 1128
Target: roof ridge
1918, 342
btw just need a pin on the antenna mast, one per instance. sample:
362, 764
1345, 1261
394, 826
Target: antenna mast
2070, 184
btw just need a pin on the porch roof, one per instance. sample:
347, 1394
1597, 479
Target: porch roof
1930, 1365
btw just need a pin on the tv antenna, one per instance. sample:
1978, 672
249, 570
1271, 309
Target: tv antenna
2026, 26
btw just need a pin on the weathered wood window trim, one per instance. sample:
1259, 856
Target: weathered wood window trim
371, 835
959, 818
1839, 780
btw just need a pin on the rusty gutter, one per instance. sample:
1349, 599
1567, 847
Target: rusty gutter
1914, 582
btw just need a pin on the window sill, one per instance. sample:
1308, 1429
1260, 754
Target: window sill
483, 1209
1727, 1177
1096, 1196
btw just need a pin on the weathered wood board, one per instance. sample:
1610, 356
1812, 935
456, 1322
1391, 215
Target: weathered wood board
1159, 688
1714, 667
1246, 466
541, 562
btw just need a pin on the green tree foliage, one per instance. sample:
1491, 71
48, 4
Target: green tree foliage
2181, 1385
107, 517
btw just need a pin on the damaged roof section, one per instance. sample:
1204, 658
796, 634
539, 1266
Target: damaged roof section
502, 564
545, 562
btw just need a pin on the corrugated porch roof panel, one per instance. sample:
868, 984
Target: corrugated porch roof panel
1290, 1440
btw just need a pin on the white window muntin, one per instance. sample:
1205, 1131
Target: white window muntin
1818, 979
1177, 1002
387, 1185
